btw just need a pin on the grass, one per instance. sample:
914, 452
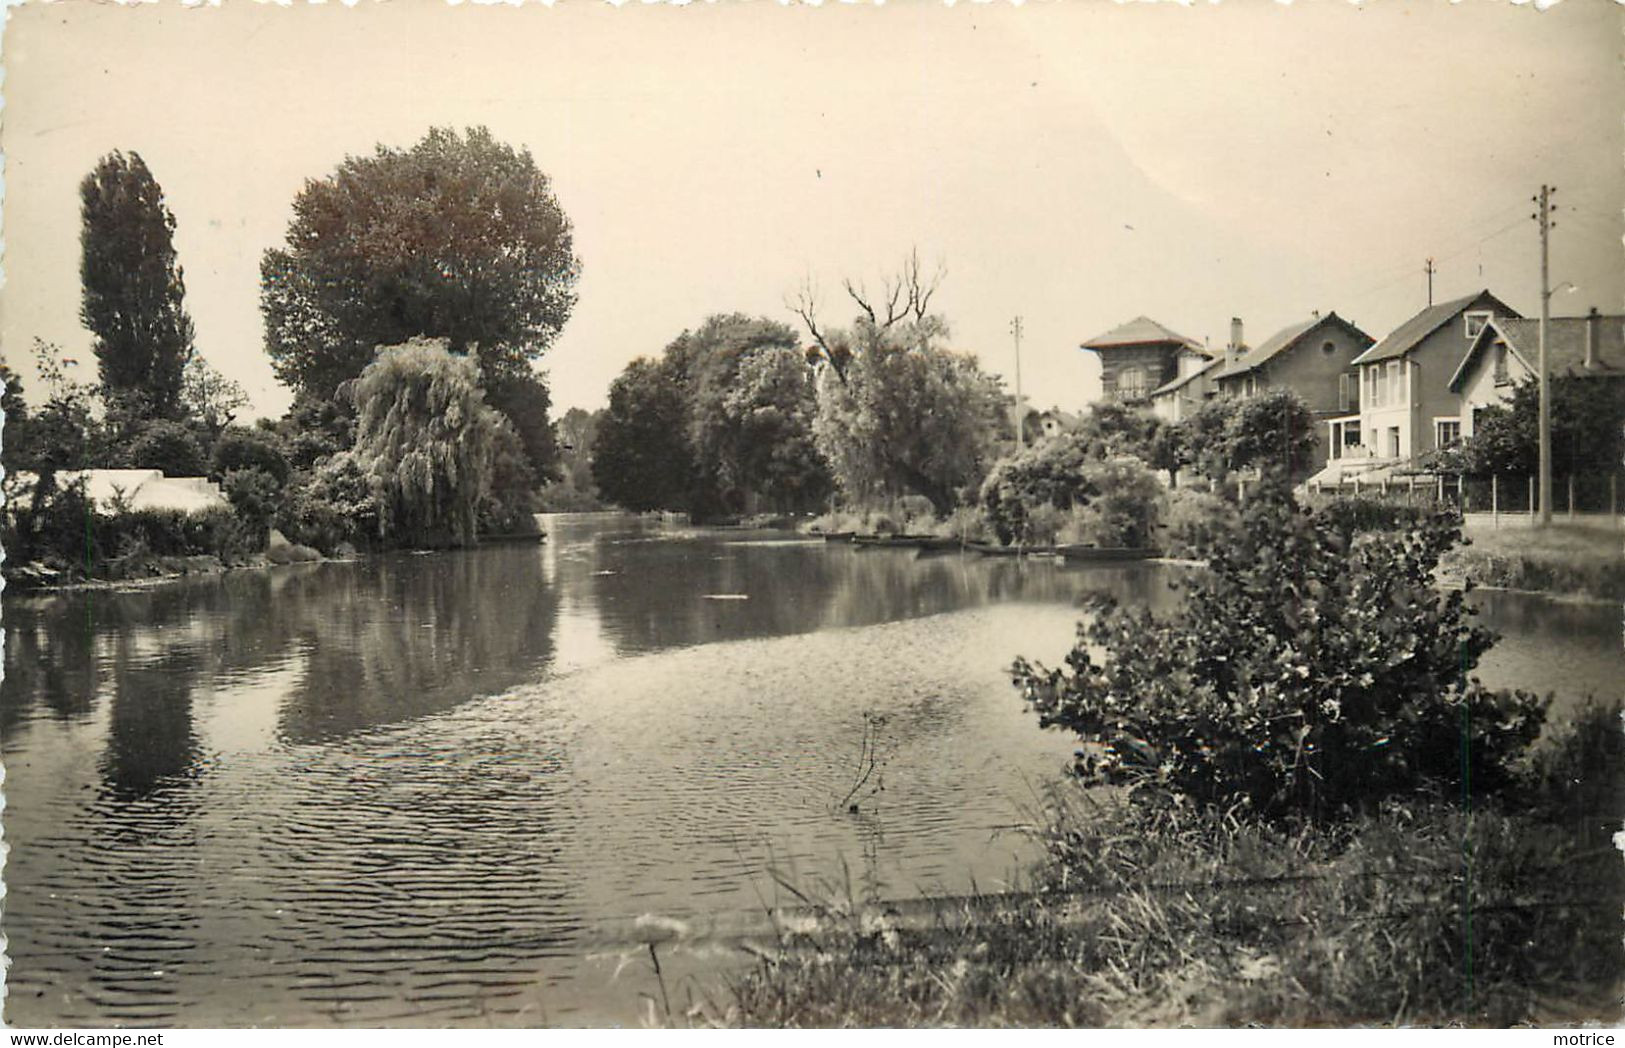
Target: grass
1569, 559
1420, 914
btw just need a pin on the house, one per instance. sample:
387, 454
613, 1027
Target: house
1055, 422
1179, 399
1314, 358
1141, 356
1507, 352
1406, 404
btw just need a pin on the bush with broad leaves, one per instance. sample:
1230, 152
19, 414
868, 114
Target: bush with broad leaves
1310, 673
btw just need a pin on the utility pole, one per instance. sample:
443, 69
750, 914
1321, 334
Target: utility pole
1429, 270
1021, 414
1544, 218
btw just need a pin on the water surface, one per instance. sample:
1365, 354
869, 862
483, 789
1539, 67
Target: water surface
442, 789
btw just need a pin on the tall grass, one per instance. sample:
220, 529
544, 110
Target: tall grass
1421, 914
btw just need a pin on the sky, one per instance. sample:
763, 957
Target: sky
1077, 164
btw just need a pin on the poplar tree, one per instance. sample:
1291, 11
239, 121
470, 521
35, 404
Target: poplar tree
133, 290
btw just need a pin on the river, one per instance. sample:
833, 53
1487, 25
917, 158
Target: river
443, 789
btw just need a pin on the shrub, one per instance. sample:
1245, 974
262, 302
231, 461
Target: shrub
239, 448
966, 522
1195, 521
1029, 497
168, 446
507, 506
1577, 771
1371, 513
1050, 473
1306, 674
254, 495
1127, 506
331, 507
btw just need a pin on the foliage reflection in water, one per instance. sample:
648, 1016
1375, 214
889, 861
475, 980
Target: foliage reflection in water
442, 789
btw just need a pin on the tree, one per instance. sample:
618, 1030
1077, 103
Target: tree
1588, 429
641, 459
1273, 433
61, 433
14, 437
427, 440
523, 399
907, 414
168, 446
133, 289
897, 411
765, 423
750, 400
577, 431
210, 398
1309, 673
457, 238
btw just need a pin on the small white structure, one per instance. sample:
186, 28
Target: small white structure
136, 489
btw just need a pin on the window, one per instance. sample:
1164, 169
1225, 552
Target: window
1476, 321
1394, 396
1393, 441
1343, 397
1372, 395
1446, 432
1131, 383
1501, 376
1329, 348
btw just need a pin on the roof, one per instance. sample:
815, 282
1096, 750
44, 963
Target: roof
1406, 336
138, 489
1285, 339
1565, 345
1181, 381
1141, 331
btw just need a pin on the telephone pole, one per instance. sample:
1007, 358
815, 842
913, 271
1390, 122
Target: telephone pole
1021, 414
1544, 218
1429, 270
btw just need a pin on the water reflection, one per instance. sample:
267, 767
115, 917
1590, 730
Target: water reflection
431, 789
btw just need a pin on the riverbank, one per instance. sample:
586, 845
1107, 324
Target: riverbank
1562, 560
1422, 915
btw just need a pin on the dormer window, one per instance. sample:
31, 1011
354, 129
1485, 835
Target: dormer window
1476, 320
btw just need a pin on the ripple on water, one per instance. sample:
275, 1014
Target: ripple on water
460, 867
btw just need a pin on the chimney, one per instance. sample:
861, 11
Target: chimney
1233, 350
1593, 322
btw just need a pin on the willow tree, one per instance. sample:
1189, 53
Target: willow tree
902, 413
133, 289
428, 442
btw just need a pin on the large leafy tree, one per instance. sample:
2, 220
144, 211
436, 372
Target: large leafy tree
1273, 433
905, 414
1588, 429
898, 411
641, 458
458, 238
429, 443
133, 289
750, 400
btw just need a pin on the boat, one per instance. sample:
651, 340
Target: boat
836, 536
1078, 553
884, 540
989, 549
